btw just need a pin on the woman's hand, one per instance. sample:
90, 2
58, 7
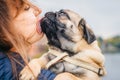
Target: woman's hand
31, 71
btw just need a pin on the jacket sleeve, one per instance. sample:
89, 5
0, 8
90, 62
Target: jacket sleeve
5, 68
46, 75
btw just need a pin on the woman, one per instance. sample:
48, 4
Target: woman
19, 29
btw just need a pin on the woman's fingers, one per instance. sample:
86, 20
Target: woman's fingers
28, 73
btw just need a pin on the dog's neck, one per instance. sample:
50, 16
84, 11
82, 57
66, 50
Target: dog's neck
70, 53
83, 45
55, 48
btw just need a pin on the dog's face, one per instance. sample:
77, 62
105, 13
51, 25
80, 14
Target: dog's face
65, 28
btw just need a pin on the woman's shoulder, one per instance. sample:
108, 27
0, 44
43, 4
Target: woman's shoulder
2, 55
5, 67
3, 59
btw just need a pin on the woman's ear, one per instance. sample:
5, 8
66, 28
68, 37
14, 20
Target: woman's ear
88, 34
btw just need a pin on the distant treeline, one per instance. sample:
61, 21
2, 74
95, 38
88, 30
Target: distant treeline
110, 45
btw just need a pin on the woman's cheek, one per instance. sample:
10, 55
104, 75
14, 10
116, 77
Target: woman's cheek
30, 25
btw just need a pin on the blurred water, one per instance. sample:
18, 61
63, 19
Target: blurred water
113, 66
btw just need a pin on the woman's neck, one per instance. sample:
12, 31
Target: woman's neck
15, 50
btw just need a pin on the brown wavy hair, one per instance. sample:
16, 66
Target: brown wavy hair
9, 9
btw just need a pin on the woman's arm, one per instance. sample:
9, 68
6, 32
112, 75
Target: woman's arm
48, 75
66, 76
34, 68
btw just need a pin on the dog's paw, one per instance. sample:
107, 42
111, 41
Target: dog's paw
31, 72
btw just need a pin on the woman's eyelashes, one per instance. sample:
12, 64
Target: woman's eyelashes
27, 7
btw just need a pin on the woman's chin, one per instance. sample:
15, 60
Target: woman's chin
36, 38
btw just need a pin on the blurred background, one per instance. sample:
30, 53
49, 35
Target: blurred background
104, 18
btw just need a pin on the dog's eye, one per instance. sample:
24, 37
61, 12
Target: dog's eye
62, 14
71, 26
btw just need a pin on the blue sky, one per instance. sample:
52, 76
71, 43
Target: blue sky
102, 15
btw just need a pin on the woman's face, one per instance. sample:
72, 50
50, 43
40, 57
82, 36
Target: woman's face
27, 23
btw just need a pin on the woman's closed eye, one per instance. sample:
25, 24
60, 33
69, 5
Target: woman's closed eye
27, 7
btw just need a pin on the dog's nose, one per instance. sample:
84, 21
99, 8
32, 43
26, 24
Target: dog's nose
50, 16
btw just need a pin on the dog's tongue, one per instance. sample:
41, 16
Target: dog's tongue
38, 26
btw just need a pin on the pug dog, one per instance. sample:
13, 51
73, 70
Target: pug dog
67, 32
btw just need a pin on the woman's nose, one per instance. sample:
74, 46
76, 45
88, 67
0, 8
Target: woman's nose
37, 11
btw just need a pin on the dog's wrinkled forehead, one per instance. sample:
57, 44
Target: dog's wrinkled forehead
62, 15
74, 17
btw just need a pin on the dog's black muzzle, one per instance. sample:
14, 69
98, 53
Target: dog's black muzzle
50, 25
51, 20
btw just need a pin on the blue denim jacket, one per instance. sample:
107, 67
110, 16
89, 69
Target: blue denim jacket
6, 69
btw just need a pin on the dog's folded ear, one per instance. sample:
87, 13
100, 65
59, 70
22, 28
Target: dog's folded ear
88, 34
